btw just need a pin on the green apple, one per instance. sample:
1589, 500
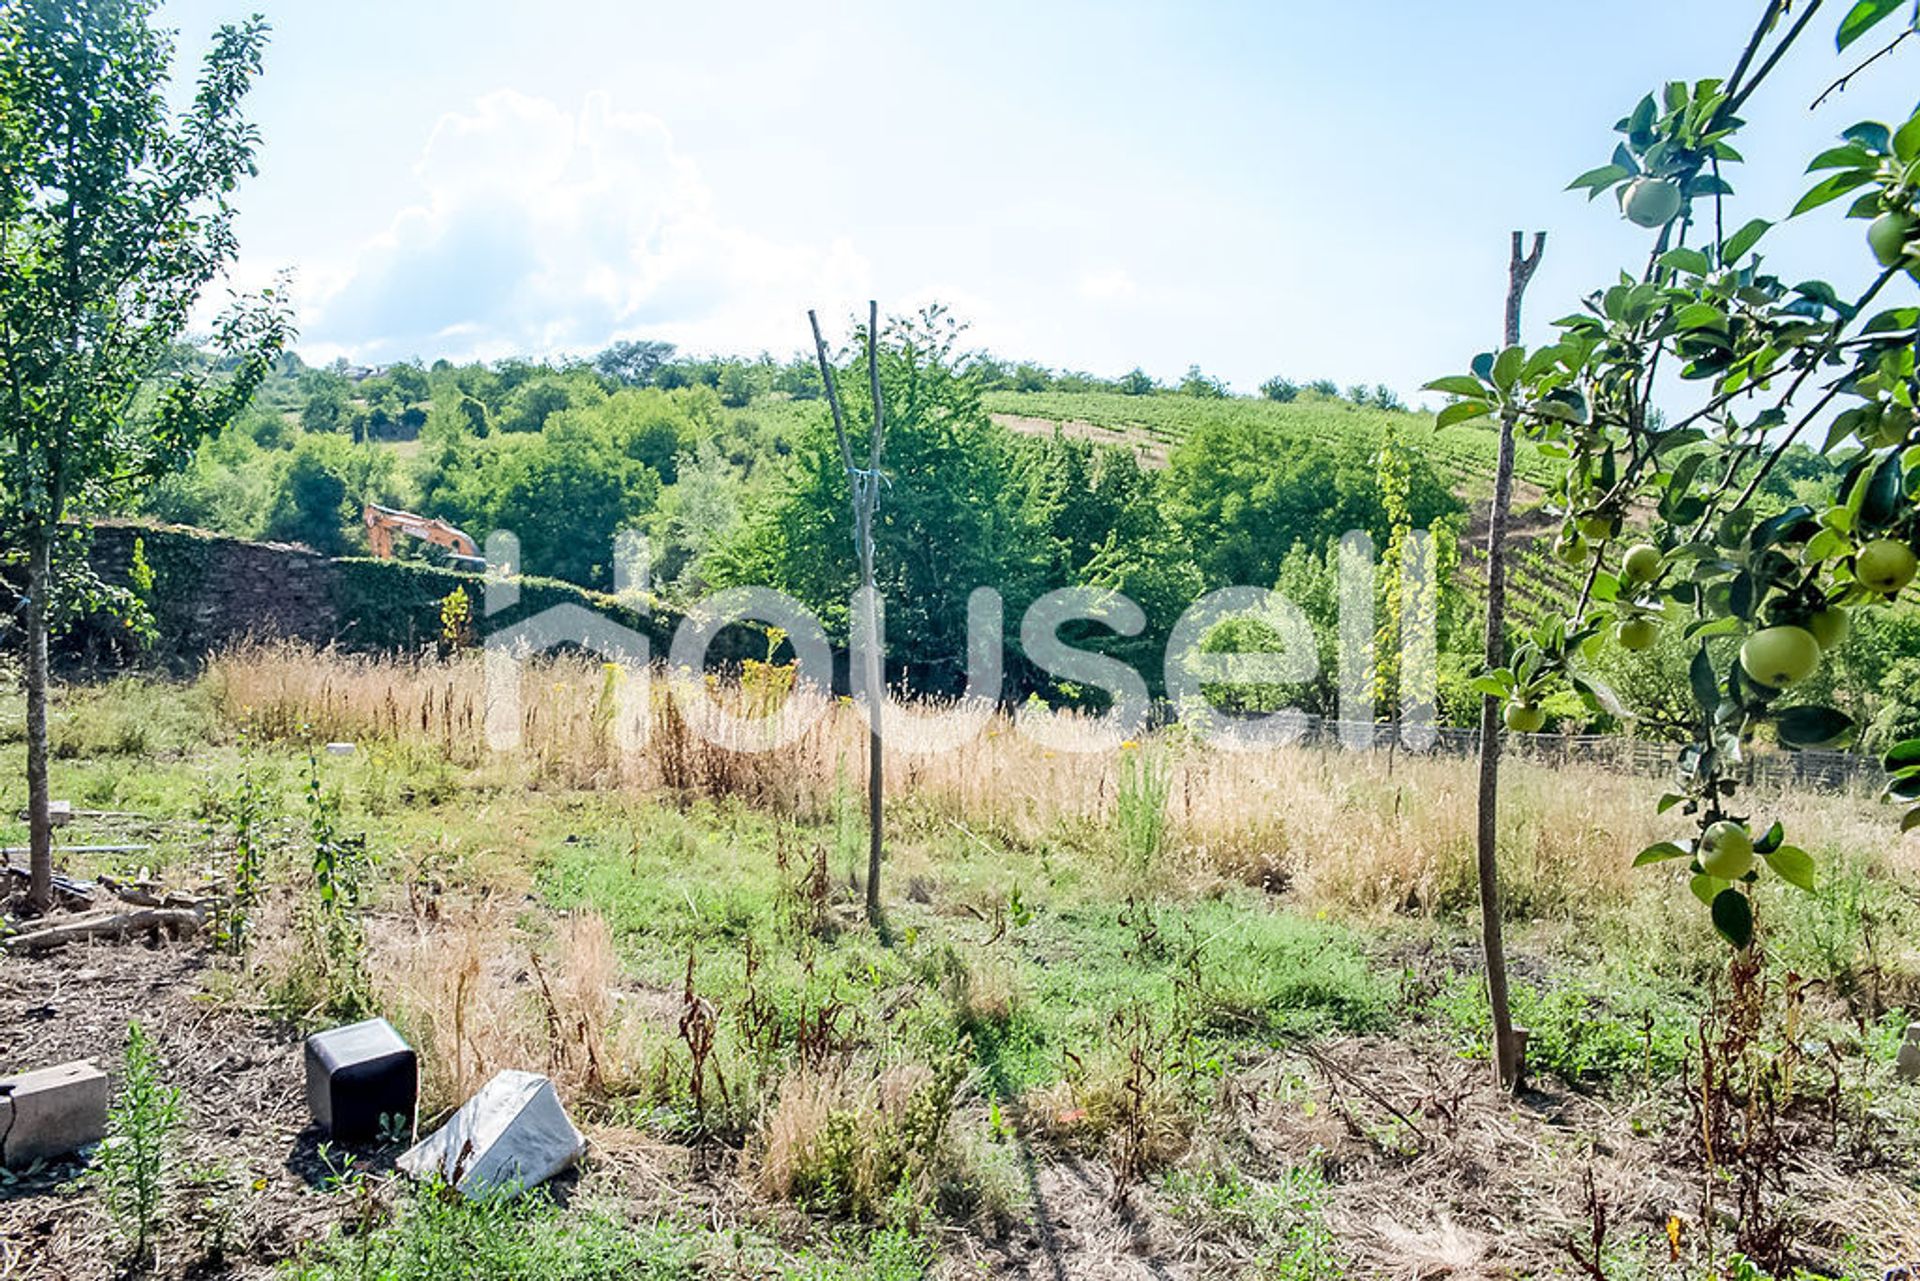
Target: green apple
1651, 202
1884, 565
1571, 548
1829, 626
1896, 424
1780, 656
1884, 425
1636, 633
1598, 526
1726, 851
1643, 563
1889, 235
1525, 718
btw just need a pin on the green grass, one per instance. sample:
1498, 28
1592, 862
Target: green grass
1464, 454
430, 1233
1048, 961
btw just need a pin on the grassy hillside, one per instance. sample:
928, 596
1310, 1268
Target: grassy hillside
1465, 454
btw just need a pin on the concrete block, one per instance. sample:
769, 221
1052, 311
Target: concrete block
1909, 1061
52, 1112
60, 813
359, 1074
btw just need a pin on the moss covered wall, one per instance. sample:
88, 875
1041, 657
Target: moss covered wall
211, 591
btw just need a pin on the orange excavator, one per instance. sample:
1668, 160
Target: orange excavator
384, 522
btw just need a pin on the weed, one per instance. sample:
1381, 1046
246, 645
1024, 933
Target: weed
134, 1161
245, 812
329, 975
213, 1193
863, 1151
1581, 1030
1140, 807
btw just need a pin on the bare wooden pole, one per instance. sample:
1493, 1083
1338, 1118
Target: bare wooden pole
1508, 1047
864, 484
876, 676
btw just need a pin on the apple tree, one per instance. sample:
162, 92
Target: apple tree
1669, 398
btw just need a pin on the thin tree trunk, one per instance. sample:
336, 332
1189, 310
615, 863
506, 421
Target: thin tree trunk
1507, 1044
865, 493
876, 668
39, 808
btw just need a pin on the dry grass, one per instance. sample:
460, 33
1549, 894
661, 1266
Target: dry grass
1365, 835
476, 996
836, 1141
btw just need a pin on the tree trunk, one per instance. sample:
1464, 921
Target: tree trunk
876, 692
39, 817
1507, 1041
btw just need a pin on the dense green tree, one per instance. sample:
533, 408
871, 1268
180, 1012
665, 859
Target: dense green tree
1245, 492
951, 517
1196, 383
633, 363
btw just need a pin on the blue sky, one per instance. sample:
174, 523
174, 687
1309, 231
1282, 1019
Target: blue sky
1315, 190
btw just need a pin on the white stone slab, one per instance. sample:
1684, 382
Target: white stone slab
514, 1134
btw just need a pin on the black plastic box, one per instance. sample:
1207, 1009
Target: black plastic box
358, 1074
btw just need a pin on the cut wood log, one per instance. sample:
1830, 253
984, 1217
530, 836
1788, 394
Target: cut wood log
178, 921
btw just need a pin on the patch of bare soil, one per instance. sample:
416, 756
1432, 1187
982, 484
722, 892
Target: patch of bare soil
1427, 1169
243, 1109
1150, 452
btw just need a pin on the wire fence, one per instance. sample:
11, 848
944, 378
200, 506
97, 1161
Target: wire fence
1809, 770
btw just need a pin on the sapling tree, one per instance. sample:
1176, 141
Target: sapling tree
1670, 398
115, 214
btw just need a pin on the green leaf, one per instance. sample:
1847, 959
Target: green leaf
1705, 683
1743, 240
1507, 366
1668, 801
1462, 411
1811, 725
1733, 916
1706, 888
1659, 852
1910, 821
1598, 180
1684, 259
1792, 865
1490, 685
1870, 134
1459, 385
1831, 188
1862, 18
1700, 315
1902, 754
1772, 839
1906, 141
1852, 156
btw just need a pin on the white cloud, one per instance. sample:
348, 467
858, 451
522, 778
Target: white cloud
1110, 285
541, 230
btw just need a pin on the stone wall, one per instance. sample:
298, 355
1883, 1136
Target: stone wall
210, 591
